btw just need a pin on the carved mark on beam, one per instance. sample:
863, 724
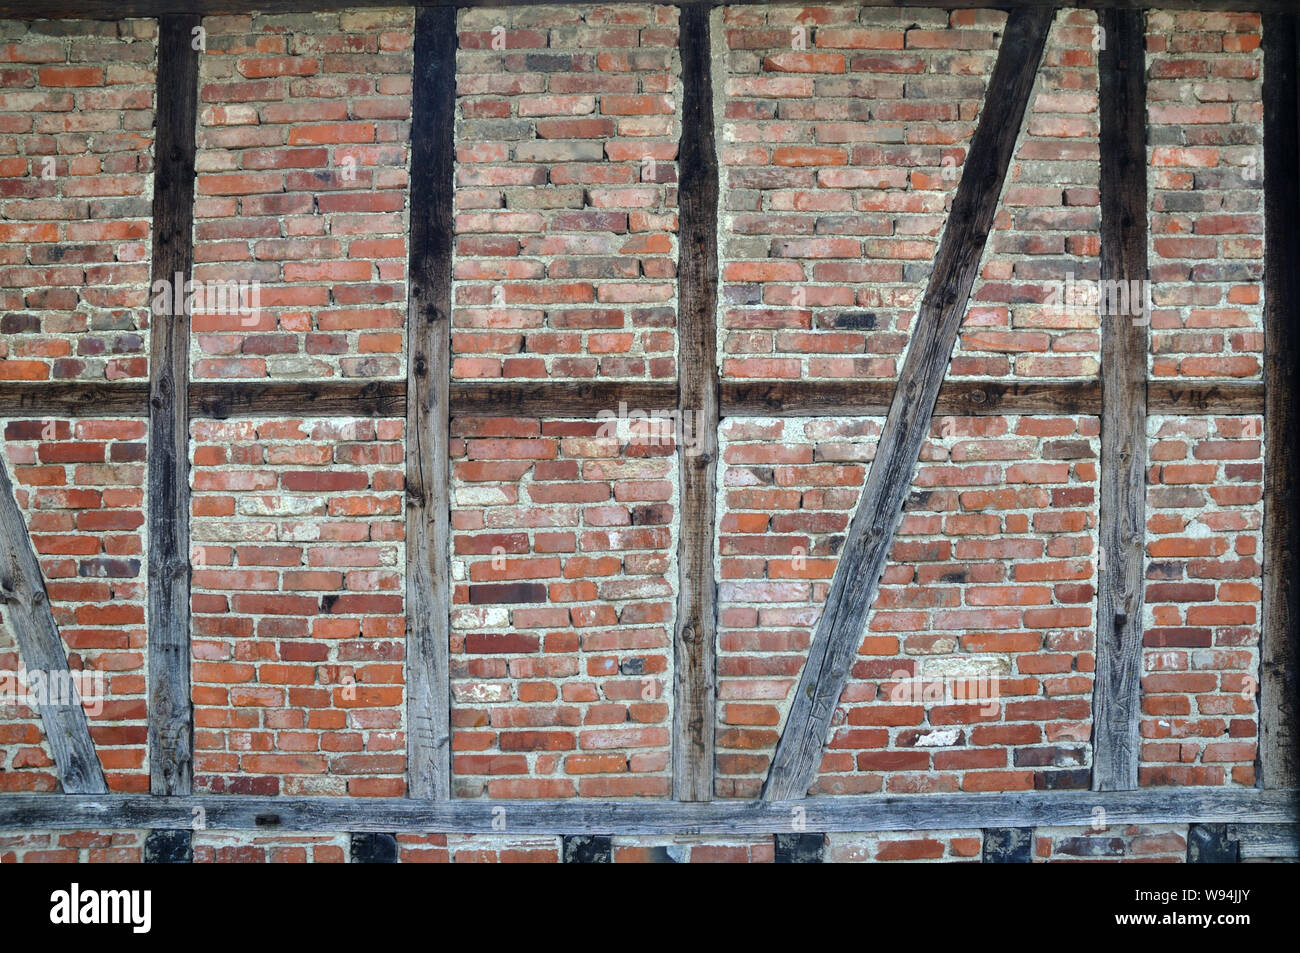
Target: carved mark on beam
1279, 752
697, 282
428, 336
171, 714
1120, 578
27, 606
911, 812
870, 536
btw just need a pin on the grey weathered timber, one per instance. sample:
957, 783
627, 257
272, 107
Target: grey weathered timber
1266, 840
27, 607
938, 320
171, 714
697, 282
428, 341
108, 10
1279, 735
1215, 805
1116, 706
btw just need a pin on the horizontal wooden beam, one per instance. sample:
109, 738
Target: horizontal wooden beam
110, 10
782, 398
638, 817
1205, 397
75, 399
299, 399
751, 398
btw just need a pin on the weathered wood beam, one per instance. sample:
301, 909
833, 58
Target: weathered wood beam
1227, 398
1117, 685
563, 399
108, 10
171, 713
428, 337
40, 648
76, 399
1266, 840
1240, 806
786, 398
575, 399
1279, 748
938, 320
790, 398
353, 398
697, 282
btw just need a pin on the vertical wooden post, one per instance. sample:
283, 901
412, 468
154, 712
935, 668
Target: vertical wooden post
428, 370
1122, 533
1279, 753
171, 713
697, 374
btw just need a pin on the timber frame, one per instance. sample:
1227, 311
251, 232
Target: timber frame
428, 399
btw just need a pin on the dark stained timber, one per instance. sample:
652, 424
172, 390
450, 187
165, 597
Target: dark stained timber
697, 277
871, 533
298, 399
428, 336
1116, 706
171, 714
1279, 755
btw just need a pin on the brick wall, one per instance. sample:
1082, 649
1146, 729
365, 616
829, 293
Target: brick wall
1205, 182
76, 182
303, 141
298, 622
566, 206
841, 135
80, 486
563, 598
991, 576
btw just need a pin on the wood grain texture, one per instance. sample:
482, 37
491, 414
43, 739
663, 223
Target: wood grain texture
787, 398
428, 337
913, 812
40, 648
75, 399
695, 631
582, 399
171, 714
353, 398
1279, 752
559, 399
1116, 705
1266, 840
939, 318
